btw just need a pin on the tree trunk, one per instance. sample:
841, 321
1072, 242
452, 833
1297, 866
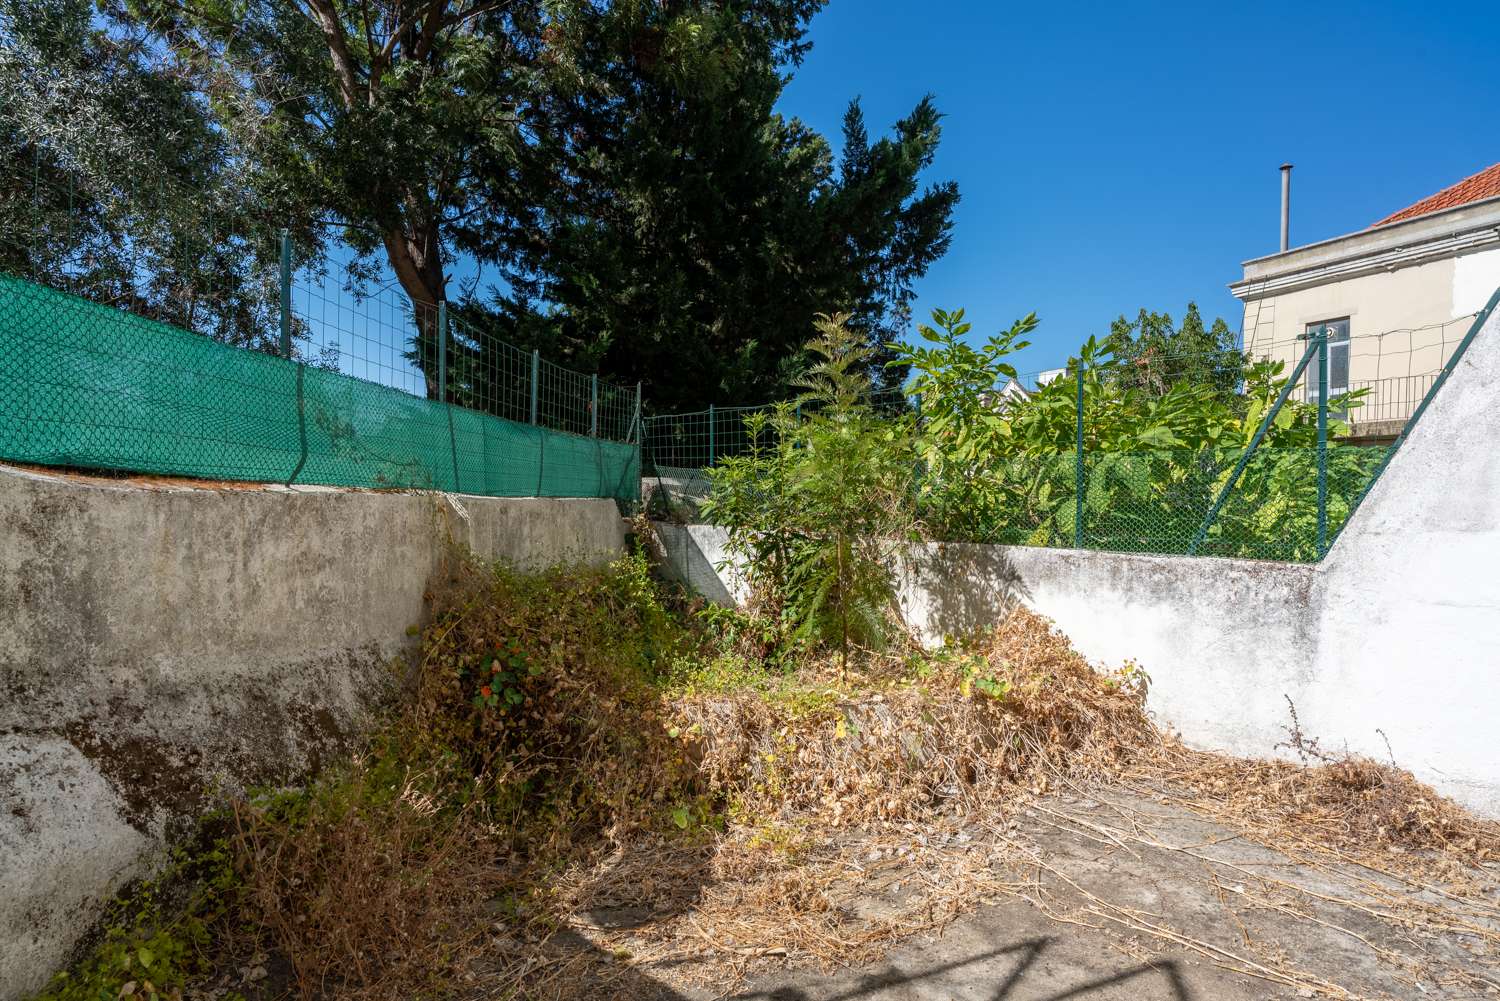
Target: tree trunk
416, 256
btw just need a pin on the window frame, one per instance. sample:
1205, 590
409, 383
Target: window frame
1333, 348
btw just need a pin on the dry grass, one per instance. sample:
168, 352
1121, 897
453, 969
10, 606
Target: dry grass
1351, 804
1014, 710
823, 818
365, 891
885, 808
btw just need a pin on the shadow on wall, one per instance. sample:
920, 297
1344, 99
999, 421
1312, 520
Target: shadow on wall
944, 589
953, 588
692, 555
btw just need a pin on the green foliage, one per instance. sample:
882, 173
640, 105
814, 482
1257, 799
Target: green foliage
1158, 447
543, 690
158, 938
964, 428
621, 167
1156, 354
703, 232
819, 513
153, 220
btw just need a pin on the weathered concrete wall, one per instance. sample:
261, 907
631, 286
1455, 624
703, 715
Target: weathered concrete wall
1396, 634
1221, 639
155, 640
696, 556
1409, 621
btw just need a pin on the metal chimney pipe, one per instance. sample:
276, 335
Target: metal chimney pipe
1286, 207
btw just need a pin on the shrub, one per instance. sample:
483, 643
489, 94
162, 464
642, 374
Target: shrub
818, 515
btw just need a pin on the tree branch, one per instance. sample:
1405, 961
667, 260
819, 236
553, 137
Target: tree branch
338, 47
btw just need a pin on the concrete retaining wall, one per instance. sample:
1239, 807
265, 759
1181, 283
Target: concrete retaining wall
1396, 632
156, 640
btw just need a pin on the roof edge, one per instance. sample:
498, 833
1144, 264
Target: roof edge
1427, 218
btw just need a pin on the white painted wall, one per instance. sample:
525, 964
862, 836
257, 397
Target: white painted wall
1475, 278
1396, 631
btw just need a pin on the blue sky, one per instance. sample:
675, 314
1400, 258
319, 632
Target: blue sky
1121, 156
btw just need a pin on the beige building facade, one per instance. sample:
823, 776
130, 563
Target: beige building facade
1396, 299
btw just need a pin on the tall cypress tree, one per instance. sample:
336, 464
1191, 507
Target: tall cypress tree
695, 234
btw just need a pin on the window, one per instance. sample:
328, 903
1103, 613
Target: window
1338, 359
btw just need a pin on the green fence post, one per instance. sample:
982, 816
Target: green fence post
1322, 342
442, 388
442, 351
536, 366
594, 406
286, 294
1239, 467
710, 435
1078, 464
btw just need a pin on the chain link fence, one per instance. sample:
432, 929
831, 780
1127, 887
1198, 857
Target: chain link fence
1254, 500
86, 385
146, 328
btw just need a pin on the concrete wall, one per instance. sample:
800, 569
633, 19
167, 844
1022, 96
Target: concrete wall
1396, 631
155, 640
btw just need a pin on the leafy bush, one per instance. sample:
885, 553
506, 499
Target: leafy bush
543, 685
1155, 455
820, 504
158, 937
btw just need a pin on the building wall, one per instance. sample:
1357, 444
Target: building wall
1403, 324
156, 642
1475, 278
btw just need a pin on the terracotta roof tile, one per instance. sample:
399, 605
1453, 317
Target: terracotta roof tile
1485, 184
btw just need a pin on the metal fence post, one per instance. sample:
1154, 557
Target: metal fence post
536, 366
1078, 476
640, 425
442, 351
442, 387
286, 294
710, 435
594, 406
1239, 467
1322, 339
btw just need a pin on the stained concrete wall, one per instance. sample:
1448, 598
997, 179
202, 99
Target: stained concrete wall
158, 640
1395, 635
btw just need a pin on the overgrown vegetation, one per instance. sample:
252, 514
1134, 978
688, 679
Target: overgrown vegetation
587, 739
819, 514
159, 938
1160, 440
974, 460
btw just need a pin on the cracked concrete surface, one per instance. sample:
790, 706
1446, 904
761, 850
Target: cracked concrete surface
1133, 897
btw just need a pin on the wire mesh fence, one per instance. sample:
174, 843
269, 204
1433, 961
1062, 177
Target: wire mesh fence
1392, 368
152, 329
1162, 501
90, 386
142, 248
1256, 500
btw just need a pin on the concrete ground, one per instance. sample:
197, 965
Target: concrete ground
1132, 897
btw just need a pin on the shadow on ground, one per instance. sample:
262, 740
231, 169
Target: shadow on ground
1148, 980
1007, 973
